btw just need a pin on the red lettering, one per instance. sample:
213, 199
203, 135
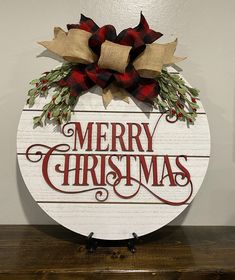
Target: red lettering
149, 136
128, 168
135, 137
101, 136
88, 134
77, 170
151, 170
90, 170
119, 137
185, 172
169, 171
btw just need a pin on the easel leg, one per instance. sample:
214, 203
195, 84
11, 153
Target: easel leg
91, 243
132, 242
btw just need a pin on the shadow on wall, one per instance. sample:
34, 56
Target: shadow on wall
179, 220
49, 54
33, 213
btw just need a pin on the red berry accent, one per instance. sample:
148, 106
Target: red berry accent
190, 120
194, 109
173, 112
44, 81
36, 84
73, 93
194, 100
180, 115
44, 88
49, 115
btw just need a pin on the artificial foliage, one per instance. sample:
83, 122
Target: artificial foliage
175, 97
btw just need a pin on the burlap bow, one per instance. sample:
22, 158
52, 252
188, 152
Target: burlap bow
129, 56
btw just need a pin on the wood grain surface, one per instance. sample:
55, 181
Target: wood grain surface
52, 252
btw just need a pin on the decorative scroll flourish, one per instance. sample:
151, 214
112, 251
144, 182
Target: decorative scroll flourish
101, 194
40, 153
68, 131
173, 203
171, 119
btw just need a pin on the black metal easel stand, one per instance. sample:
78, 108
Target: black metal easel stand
132, 242
92, 243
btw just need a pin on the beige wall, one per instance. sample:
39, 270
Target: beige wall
205, 29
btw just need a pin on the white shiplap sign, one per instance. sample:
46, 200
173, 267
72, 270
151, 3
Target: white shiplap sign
116, 171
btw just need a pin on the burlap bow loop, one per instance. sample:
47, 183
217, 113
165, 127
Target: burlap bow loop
114, 56
151, 61
71, 45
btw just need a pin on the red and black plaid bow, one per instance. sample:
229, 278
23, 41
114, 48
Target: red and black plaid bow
82, 77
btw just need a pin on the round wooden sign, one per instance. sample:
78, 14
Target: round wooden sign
116, 171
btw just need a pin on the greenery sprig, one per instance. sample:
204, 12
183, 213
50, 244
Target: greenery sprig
176, 98
62, 102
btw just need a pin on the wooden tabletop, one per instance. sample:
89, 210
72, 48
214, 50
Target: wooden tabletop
52, 252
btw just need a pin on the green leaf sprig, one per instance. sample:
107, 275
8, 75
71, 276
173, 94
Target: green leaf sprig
62, 103
176, 97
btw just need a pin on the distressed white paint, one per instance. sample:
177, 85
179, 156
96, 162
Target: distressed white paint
115, 218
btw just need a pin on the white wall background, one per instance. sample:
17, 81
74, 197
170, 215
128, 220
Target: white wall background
205, 29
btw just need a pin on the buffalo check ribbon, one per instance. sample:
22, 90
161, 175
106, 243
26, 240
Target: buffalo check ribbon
127, 62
